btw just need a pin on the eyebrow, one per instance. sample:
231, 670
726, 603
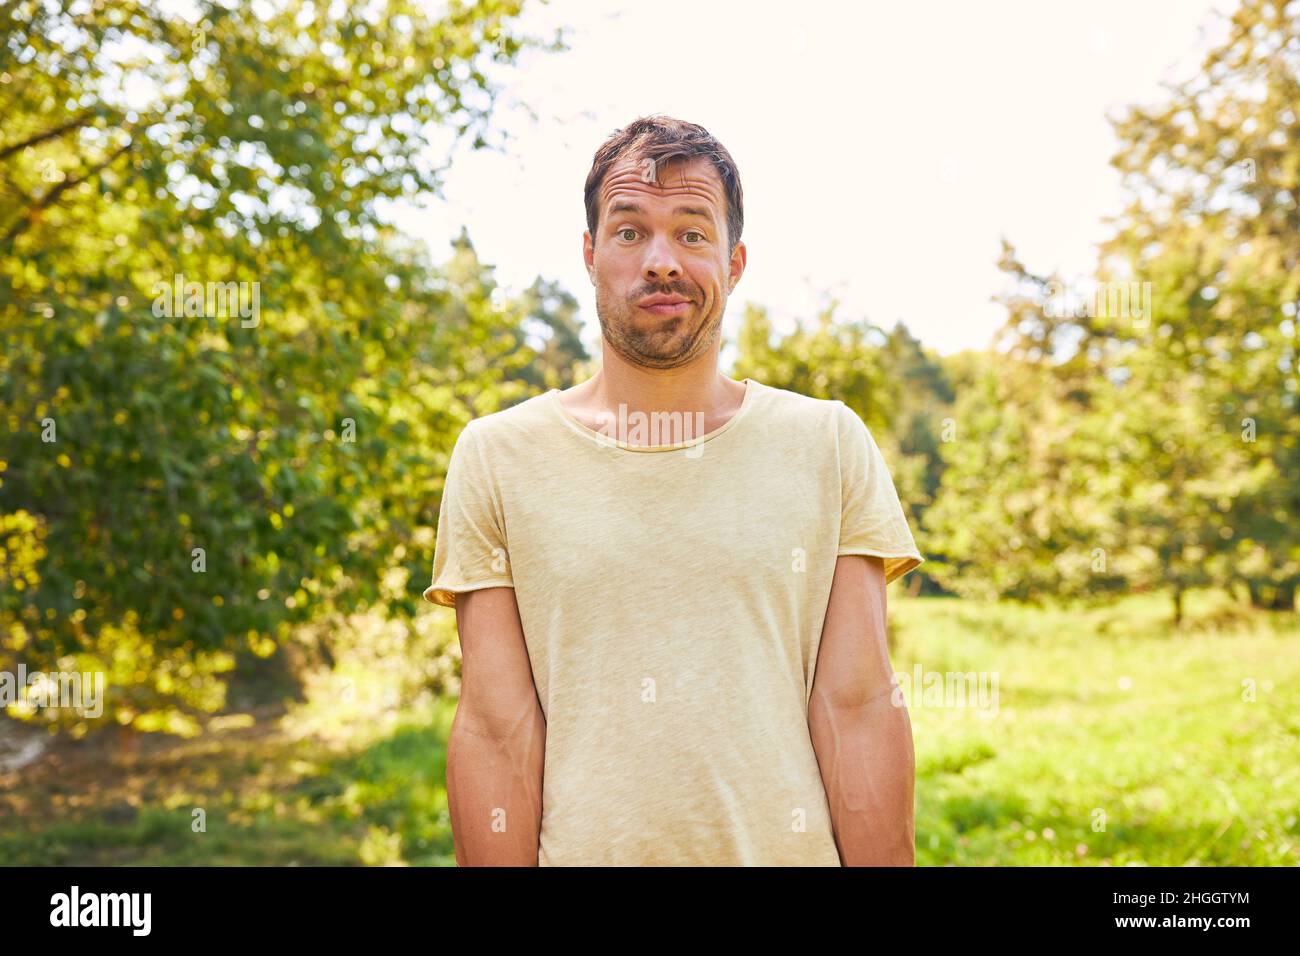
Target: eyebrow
679, 211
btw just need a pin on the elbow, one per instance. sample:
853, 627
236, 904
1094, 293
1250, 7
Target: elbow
503, 723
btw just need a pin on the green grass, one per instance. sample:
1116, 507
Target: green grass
267, 796
1114, 741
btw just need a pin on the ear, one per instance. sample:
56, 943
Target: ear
589, 255
739, 257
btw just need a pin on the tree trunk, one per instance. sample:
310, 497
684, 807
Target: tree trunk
1178, 606
1283, 598
1269, 597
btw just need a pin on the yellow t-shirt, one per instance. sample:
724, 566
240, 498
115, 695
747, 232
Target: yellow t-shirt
672, 598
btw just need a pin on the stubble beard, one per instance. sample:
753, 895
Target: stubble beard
659, 348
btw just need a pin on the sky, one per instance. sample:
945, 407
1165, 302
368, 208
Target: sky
885, 149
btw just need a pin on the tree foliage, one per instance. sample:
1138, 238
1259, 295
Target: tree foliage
1180, 428
185, 480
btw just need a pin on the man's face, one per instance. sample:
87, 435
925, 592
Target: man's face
668, 241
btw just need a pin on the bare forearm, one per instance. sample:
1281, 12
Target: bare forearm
494, 790
868, 768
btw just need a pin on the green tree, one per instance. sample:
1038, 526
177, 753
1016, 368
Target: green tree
1214, 226
1022, 506
199, 477
924, 405
1195, 372
551, 313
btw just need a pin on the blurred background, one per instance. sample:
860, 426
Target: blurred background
261, 262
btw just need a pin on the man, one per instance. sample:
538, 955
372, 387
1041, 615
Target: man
650, 568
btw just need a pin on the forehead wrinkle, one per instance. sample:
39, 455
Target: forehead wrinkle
626, 185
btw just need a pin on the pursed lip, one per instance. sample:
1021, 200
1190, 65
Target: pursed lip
665, 305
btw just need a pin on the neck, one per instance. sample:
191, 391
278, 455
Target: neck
695, 387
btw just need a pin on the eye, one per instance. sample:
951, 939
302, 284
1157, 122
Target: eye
695, 232
624, 234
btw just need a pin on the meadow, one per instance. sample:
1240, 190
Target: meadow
1116, 740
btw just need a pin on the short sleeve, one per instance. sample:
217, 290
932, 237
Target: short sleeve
470, 547
872, 520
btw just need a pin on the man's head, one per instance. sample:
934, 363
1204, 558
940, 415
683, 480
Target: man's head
664, 217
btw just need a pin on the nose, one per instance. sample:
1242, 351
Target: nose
660, 261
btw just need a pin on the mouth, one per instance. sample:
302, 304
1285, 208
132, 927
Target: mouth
666, 305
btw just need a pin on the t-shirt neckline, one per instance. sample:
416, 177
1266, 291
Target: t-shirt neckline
553, 398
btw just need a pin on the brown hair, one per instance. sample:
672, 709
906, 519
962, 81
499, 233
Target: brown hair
661, 139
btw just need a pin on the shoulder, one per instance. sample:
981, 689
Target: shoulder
510, 427
798, 410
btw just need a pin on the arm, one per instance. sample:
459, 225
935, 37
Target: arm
862, 741
498, 737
